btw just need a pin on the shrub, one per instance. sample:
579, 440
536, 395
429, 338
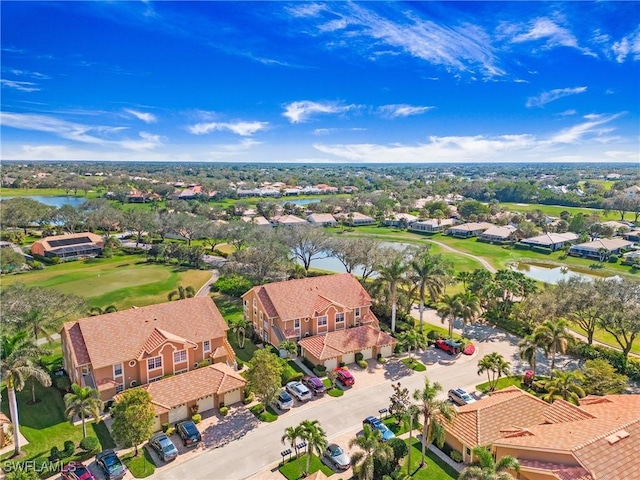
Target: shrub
336, 392
381, 359
62, 383
362, 364
89, 444
234, 285
456, 456
307, 363
197, 418
224, 411
359, 357
433, 335
165, 427
399, 447
613, 258
170, 431
55, 454
204, 363
320, 370
257, 409
248, 398
69, 448
342, 364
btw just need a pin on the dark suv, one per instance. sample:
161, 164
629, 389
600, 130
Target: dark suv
113, 467
189, 433
314, 384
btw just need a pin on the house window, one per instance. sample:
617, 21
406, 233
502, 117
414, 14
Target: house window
296, 323
255, 303
261, 316
155, 379
206, 346
117, 370
357, 312
468, 452
322, 321
180, 356
119, 388
154, 363
339, 317
184, 370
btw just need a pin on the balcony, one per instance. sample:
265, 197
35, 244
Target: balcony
88, 380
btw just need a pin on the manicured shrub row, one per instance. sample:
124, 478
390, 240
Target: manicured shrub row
614, 357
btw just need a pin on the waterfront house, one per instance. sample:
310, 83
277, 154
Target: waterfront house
467, 230
552, 241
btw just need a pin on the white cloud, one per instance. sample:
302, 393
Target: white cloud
144, 116
244, 129
590, 127
306, 10
552, 95
299, 112
545, 30
402, 110
567, 113
327, 131
147, 141
18, 85
629, 45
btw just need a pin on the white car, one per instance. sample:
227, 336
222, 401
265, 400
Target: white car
299, 391
283, 401
460, 397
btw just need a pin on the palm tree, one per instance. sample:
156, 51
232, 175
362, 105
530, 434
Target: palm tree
315, 437
413, 415
289, 346
469, 308
429, 405
412, 339
528, 349
239, 326
431, 274
292, 435
93, 311
488, 469
83, 402
553, 336
17, 359
463, 277
565, 385
181, 293
449, 308
495, 365
392, 275
370, 442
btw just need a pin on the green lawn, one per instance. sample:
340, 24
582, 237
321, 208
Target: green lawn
398, 430
414, 364
44, 192
291, 471
555, 210
123, 281
435, 469
141, 466
605, 337
231, 309
504, 382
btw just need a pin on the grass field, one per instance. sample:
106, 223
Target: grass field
123, 281
554, 210
44, 192
434, 469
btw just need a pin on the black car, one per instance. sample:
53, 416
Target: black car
189, 433
164, 447
113, 467
314, 384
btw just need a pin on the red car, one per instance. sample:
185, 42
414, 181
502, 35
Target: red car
449, 346
345, 378
76, 471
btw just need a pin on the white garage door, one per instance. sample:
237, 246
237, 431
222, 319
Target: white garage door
386, 351
178, 413
157, 426
367, 353
331, 363
232, 397
205, 404
348, 358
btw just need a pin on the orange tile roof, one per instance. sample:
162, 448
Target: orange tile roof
561, 471
213, 379
104, 340
297, 298
334, 344
157, 338
562, 411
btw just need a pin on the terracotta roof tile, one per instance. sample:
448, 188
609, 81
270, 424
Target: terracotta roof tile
297, 298
157, 338
337, 343
562, 411
121, 336
561, 471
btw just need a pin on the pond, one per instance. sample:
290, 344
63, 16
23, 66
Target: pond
332, 264
53, 201
300, 202
553, 275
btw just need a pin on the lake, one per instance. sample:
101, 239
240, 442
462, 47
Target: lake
303, 201
52, 201
332, 264
553, 275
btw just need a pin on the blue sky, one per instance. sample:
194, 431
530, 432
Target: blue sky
354, 82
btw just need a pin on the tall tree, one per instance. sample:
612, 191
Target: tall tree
565, 385
488, 469
292, 435
264, 375
496, 366
392, 275
138, 221
412, 340
432, 273
307, 242
82, 402
582, 301
449, 308
399, 402
599, 377
239, 326
370, 442
69, 217
528, 351
430, 405
316, 439
554, 337
469, 308
133, 418
18, 357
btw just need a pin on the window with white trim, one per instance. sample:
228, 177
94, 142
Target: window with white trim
322, 321
117, 370
154, 363
296, 323
180, 356
206, 346
119, 388
340, 317
261, 316
357, 312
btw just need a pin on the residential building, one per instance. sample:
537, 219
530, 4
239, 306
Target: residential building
606, 246
400, 220
432, 225
288, 220
69, 246
324, 219
632, 191
355, 219
552, 241
632, 236
297, 309
120, 350
467, 230
257, 220
496, 233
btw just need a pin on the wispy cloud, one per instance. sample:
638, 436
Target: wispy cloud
402, 110
552, 95
328, 131
591, 127
22, 86
144, 116
545, 30
299, 112
306, 9
629, 45
245, 129
146, 141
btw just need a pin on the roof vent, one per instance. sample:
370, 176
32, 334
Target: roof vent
616, 437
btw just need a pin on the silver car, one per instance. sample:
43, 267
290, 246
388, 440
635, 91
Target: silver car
299, 390
337, 457
164, 447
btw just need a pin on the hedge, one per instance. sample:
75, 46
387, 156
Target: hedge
614, 357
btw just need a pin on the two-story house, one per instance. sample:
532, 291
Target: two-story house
138, 346
316, 310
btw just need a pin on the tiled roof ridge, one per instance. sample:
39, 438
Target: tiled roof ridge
606, 434
561, 404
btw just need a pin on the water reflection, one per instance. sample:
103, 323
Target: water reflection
552, 275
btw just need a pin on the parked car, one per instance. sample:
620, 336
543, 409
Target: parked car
448, 346
337, 457
189, 433
76, 471
299, 391
164, 447
112, 466
345, 378
376, 423
314, 384
459, 396
284, 401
